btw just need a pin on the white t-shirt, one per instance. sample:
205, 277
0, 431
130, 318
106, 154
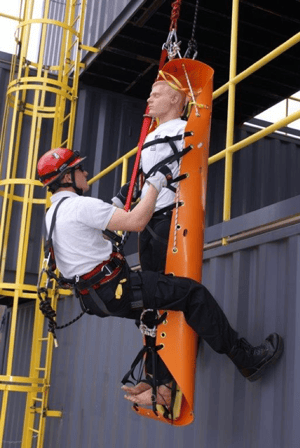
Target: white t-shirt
156, 153
77, 238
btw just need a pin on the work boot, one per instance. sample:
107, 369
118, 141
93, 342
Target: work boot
252, 361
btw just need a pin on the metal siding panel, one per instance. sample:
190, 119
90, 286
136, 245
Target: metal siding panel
264, 173
259, 290
99, 17
21, 363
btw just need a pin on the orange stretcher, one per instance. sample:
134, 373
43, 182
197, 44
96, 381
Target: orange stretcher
185, 246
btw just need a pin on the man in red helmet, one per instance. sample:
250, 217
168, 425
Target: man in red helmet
104, 282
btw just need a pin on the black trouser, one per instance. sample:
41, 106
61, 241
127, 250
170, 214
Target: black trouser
153, 243
162, 292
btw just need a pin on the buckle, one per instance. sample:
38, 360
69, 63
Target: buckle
108, 269
145, 330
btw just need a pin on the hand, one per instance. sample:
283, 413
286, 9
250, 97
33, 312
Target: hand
120, 199
165, 170
160, 178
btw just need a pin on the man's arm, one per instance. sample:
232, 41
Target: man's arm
137, 219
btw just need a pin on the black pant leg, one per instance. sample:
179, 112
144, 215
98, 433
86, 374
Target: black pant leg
153, 250
201, 310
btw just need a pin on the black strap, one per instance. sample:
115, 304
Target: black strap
155, 236
168, 139
113, 236
167, 160
99, 302
105, 272
166, 209
54, 219
136, 288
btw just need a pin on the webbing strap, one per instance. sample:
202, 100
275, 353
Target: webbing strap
54, 218
155, 236
166, 139
167, 160
166, 209
98, 301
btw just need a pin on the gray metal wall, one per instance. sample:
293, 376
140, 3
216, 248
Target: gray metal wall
256, 282
102, 16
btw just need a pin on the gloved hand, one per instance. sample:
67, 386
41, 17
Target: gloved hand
160, 178
120, 199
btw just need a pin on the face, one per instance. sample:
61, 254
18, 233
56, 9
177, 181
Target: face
161, 101
81, 178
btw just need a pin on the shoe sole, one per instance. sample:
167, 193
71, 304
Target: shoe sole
271, 361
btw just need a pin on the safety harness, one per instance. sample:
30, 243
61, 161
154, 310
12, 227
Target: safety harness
165, 211
172, 158
83, 285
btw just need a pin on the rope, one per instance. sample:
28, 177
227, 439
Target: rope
176, 213
50, 314
175, 14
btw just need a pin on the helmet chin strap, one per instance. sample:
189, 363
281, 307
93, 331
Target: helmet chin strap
79, 191
58, 184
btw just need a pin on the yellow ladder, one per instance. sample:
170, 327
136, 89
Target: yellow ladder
30, 86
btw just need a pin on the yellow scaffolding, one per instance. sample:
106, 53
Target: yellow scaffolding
30, 86
230, 87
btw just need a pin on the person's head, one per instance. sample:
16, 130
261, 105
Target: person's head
165, 103
61, 168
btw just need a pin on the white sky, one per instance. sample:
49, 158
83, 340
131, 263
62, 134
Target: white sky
8, 45
8, 27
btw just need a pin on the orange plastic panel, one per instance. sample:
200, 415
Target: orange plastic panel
185, 260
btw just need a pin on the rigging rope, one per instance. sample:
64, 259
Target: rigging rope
147, 119
175, 14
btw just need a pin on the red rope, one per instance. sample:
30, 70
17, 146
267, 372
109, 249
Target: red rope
175, 14
143, 134
147, 120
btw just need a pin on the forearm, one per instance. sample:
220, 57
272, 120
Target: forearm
137, 219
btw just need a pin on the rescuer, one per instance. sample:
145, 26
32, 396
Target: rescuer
102, 278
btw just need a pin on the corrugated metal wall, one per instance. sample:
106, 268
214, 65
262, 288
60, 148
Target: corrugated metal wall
257, 284
264, 173
21, 365
101, 15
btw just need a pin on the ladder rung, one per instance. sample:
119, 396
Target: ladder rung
66, 118
73, 43
75, 20
38, 399
40, 368
34, 430
72, 65
43, 339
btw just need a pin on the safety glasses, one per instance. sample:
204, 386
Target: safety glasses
80, 168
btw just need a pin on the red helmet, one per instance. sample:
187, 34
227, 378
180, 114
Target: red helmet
56, 162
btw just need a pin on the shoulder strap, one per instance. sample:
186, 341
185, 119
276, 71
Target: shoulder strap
54, 217
167, 160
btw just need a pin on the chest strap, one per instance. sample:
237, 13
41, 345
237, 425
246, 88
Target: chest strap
168, 139
167, 160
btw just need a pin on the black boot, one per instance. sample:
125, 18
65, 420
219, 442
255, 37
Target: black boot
252, 361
